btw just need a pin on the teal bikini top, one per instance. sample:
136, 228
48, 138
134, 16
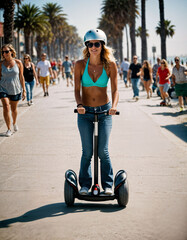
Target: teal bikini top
102, 81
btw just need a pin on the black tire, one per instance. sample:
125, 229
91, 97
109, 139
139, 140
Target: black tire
123, 194
68, 194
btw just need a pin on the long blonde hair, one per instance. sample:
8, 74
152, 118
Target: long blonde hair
165, 63
106, 55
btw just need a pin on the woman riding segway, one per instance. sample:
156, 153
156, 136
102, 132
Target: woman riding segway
93, 73
95, 122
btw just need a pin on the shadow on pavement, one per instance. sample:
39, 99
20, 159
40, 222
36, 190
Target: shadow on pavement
172, 114
58, 209
180, 130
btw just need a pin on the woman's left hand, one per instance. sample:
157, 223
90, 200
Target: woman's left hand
23, 95
112, 111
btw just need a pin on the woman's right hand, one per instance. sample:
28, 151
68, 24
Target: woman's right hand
81, 110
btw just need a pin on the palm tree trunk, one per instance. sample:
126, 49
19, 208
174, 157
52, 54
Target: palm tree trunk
162, 33
133, 40
39, 47
8, 15
27, 42
127, 39
133, 28
143, 33
121, 45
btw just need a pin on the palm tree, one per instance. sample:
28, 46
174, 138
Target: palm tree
169, 32
56, 18
8, 15
143, 32
31, 20
162, 29
117, 11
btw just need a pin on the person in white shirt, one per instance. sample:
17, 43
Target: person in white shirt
44, 71
125, 67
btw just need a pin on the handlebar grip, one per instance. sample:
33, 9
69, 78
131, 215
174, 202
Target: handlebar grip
117, 113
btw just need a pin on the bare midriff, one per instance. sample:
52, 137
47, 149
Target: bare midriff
94, 96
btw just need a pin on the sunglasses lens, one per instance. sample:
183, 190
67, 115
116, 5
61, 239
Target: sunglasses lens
90, 45
96, 44
5, 51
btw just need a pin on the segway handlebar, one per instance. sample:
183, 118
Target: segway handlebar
105, 112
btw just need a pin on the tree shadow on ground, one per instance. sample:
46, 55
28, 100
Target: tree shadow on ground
180, 130
59, 209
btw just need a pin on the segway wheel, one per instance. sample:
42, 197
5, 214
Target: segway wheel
123, 194
68, 194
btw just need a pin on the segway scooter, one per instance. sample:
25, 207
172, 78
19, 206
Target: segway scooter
121, 189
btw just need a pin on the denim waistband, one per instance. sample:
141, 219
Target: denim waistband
102, 108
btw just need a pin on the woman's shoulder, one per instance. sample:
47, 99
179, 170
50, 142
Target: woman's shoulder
18, 61
81, 63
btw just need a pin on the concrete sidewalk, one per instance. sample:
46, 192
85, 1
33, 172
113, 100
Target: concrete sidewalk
148, 141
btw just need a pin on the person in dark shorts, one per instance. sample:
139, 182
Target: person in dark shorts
68, 69
12, 85
146, 74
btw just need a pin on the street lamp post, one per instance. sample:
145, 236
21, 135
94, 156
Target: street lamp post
154, 51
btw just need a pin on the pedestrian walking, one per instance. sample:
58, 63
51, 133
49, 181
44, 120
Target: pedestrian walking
59, 67
68, 69
44, 71
134, 73
125, 67
164, 82
154, 70
146, 74
12, 85
29, 73
91, 79
54, 69
179, 79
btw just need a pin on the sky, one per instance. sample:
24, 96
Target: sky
84, 14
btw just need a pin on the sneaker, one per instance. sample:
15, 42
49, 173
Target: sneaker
108, 191
83, 191
163, 103
137, 98
31, 102
28, 103
45, 94
181, 109
8, 133
16, 128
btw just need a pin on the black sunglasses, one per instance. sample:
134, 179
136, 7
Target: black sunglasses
26, 58
7, 51
96, 44
176, 60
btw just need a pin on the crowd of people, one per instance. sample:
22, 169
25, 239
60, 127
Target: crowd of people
91, 76
159, 76
19, 78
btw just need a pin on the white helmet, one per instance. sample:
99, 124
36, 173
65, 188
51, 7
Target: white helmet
95, 34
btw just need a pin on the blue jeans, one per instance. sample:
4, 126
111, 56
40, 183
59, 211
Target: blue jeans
29, 88
135, 86
125, 76
86, 129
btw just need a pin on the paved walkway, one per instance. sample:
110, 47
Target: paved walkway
148, 141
